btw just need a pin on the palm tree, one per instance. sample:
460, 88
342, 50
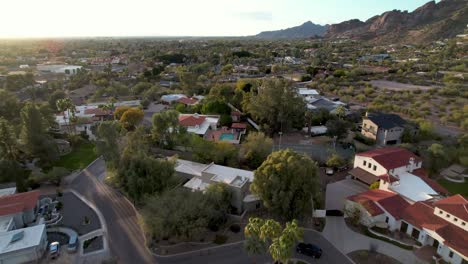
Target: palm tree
67, 105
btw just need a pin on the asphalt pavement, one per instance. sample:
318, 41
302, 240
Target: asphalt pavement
126, 240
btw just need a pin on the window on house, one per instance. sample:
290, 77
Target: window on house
455, 219
463, 224
440, 212
370, 165
447, 215
364, 163
386, 219
375, 167
451, 254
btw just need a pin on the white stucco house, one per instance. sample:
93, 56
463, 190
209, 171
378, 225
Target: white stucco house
200, 176
397, 170
199, 124
22, 239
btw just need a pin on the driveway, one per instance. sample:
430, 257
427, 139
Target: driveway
338, 191
346, 240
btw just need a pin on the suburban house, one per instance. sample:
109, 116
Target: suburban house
59, 68
385, 129
199, 124
23, 237
26, 245
18, 210
200, 176
440, 223
87, 116
397, 170
315, 103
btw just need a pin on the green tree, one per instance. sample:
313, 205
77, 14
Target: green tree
276, 105
282, 246
35, 141
286, 182
119, 111
54, 97
340, 111
337, 128
437, 157
166, 128
107, 143
9, 105
8, 142
181, 213
67, 105
261, 234
335, 161
255, 149
131, 118
219, 196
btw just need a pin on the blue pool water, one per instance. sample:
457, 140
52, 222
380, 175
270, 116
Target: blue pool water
226, 136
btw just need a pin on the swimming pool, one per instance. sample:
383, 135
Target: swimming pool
226, 136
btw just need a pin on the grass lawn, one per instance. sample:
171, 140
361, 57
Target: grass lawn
79, 158
455, 188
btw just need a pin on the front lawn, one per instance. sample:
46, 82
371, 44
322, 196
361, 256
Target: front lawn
455, 188
80, 157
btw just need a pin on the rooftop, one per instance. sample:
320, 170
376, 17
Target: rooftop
21, 238
456, 205
12, 204
413, 188
375, 200
391, 157
7, 191
386, 121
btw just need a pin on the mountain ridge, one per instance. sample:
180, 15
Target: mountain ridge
306, 30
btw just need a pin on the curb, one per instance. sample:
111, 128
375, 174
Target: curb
199, 250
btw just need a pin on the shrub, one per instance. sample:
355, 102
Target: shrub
364, 140
59, 206
235, 228
220, 239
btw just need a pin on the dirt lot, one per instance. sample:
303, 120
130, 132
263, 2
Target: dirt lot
396, 86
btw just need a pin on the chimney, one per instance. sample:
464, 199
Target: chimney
411, 164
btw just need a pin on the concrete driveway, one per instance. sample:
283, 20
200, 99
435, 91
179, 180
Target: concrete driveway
338, 191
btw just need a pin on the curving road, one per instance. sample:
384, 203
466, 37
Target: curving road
126, 239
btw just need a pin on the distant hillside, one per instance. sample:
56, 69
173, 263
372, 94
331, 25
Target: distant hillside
432, 21
306, 30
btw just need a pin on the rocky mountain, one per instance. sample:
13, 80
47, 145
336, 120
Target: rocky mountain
306, 30
432, 21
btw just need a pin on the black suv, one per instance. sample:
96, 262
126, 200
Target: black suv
309, 250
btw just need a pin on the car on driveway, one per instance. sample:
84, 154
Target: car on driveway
54, 250
309, 250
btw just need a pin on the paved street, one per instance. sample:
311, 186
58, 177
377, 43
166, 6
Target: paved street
124, 235
126, 239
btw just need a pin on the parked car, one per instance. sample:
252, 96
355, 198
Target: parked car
329, 171
309, 250
72, 244
54, 250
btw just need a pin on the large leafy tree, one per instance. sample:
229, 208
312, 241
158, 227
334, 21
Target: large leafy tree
166, 128
9, 105
34, 138
286, 182
107, 143
276, 105
131, 118
8, 142
256, 149
181, 213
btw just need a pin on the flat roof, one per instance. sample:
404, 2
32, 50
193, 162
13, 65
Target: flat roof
31, 237
232, 176
190, 167
7, 191
196, 184
413, 187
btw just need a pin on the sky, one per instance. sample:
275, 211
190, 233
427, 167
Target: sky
82, 18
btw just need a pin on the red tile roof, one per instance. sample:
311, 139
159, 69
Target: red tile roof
239, 125
12, 204
187, 101
391, 202
363, 175
191, 120
456, 205
421, 215
391, 157
421, 173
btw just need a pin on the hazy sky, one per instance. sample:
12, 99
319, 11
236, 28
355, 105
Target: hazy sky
53, 18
